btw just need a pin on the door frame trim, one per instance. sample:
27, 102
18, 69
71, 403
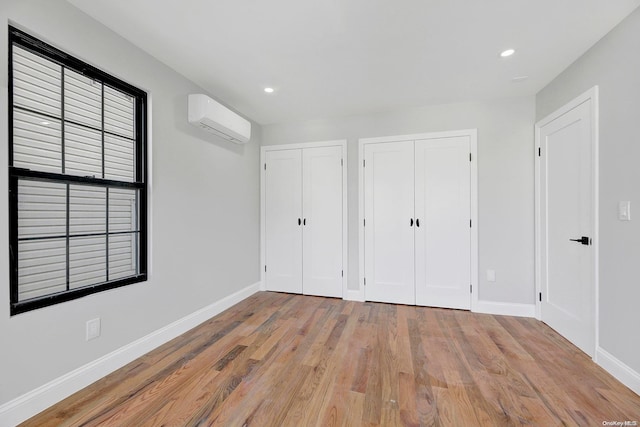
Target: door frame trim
345, 247
473, 140
591, 94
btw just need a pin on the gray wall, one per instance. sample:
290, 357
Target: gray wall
505, 182
614, 65
204, 213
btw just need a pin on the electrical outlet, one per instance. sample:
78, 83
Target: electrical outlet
624, 211
93, 329
491, 275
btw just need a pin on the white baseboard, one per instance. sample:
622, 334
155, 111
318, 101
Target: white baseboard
354, 295
505, 308
35, 401
618, 369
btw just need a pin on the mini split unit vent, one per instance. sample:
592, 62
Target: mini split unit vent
214, 117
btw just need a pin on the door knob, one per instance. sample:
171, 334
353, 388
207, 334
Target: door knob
417, 222
411, 222
584, 240
299, 221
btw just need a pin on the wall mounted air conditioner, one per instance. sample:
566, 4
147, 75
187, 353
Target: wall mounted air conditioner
214, 117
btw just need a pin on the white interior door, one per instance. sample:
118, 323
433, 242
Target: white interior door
283, 221
388, 231
443, 212
566, 213
322, 221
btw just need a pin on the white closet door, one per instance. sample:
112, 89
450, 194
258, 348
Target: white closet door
566, 215
322, 221
389, 245
443, 233
283, 221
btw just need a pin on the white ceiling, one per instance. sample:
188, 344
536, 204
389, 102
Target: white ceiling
328, 58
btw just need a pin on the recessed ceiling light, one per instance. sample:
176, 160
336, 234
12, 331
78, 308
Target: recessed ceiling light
507, 53
268, 89
44, 122
519, 79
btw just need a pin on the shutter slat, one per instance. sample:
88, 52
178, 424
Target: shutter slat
36, 142
118, 163
47, 203
87, 209
119, 159
87, 245
36, 82
82, 99
25, 264
87, 279
32, 60
83, 155
79, 153
123, 151
36, 163
118, 167
42, 268
117, 97
87, 261
114, 174
121, 119
121, 144
124, 242
27, 214
122, 256
125, 131
45, 268
80, 106
122, 210
87, 264
36, 71
34, 104
34, 97
30, 82
118, 113
45, 148
56, 286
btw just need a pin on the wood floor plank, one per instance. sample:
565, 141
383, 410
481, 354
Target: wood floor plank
257, 389
294, 353
151, 398
560, 359
405, 363
289, 360
489, 371
425, 398
321, 395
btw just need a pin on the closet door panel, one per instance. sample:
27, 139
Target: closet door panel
283, 231
389, 231
443, 237
322, 221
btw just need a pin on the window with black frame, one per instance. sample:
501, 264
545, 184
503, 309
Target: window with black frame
77, 177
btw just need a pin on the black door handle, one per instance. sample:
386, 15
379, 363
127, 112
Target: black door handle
584, 240
299, 221
304, 221
417, 222
411, 222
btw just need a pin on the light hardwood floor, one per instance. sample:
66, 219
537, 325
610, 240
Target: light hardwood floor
290, 360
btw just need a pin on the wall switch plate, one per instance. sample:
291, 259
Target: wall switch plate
491, 275
624, 211
93, 329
